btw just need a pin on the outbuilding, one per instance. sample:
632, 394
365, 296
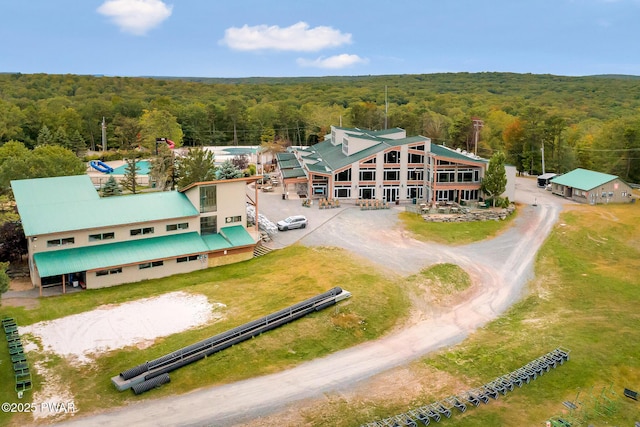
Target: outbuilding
586, 186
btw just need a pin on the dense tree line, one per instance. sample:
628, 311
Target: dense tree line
591, 122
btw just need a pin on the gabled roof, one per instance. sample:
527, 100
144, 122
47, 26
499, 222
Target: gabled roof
583, 179
63, 204
98, 257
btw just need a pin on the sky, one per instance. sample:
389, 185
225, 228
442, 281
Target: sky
296, 38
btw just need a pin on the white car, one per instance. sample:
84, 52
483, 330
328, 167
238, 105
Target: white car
296, 221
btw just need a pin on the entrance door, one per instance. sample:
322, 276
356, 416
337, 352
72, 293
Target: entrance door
391, 194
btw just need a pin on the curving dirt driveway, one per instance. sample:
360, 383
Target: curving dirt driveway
500, 268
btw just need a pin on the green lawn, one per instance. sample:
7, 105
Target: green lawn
458, 233
585, 297
249, 290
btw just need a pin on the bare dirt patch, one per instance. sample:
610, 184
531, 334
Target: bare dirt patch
111, 327
20, 284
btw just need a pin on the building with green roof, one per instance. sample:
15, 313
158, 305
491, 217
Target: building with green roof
587, 186
352, 163
75, 237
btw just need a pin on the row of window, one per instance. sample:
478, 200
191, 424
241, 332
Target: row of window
391, 157
146, 265
388, 175
369, 192
111, 235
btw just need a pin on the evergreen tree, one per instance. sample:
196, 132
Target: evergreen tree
60, 138
130, 178
495, 179
77, 144
229, 171
197, 166
45, 136
111, 188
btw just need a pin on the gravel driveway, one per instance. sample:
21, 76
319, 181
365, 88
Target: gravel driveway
500, 268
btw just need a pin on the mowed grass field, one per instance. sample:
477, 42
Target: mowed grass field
249, 290
585, 298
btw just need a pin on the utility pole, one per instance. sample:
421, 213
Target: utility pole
477, 125
386, 107
104, 135
542, 149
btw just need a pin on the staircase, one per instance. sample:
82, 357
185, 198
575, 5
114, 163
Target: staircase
260, 250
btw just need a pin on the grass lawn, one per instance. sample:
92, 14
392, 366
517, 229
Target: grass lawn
249, 290
458, 233
585, 297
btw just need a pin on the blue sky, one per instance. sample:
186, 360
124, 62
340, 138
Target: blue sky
282, 38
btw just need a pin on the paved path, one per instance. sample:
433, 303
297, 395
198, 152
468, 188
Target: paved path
500, 266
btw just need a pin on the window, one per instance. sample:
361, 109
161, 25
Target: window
417, 147
392, 157
367, 192
110, 271
371, 161
415, 175
208, 225
208, 199
139, 231
345, 175
101, 236
232, 219
61, 242
392, 175
150, 264
181, 226
446, 176
465, 176
344, 192
416, 158
187, 258
367, 175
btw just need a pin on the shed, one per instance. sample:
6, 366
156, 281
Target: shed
586, 186
545, 178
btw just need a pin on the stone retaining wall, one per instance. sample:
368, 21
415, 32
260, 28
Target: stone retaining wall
474, 215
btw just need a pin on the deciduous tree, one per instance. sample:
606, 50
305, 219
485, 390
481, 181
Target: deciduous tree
14, 242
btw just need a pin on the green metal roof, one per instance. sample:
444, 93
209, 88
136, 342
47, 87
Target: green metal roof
49, 191
55, 205
216, 242
285, 156
237, 235
583, 179
97, 257
293, 173
289, 164
442, 151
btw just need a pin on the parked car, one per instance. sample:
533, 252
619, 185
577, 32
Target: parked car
295, 221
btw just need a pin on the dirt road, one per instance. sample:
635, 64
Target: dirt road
500, 268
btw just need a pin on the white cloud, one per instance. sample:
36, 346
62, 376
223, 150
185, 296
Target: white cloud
136, 16
333, 62
298, 37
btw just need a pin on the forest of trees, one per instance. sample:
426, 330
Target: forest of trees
591, 122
